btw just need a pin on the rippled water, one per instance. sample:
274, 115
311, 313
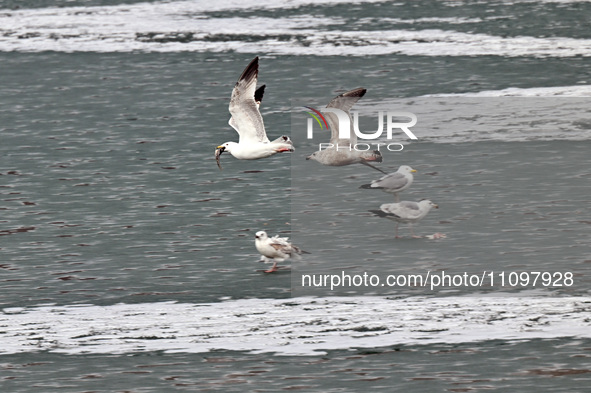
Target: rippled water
117, 227
517, 365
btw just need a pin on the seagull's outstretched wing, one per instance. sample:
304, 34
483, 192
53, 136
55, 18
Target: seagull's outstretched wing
246, 118
258, 98
343, 102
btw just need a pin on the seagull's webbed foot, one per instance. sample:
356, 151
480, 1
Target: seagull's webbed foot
272, 269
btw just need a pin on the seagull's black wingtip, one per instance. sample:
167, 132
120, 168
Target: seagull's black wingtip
379, 213
251, 70
359, 92
258, 94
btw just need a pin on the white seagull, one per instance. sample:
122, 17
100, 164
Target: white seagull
407, 212
275, 248
394, 182
342, 151
246, 119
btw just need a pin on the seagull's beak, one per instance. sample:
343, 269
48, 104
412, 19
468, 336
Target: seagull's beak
307, 158
436, 206
413, 170
218, 152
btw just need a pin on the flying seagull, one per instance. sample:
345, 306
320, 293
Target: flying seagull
246, 119
342, 151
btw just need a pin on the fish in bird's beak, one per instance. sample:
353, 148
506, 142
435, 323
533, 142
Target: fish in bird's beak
218, 152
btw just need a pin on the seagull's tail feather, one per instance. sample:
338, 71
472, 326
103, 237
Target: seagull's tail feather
296, 250
376, 155
379, 213
284, 139
370, 187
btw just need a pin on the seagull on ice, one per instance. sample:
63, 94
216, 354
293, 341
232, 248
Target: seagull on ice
407, 212
342, 151
394, 182
275, 248
246, 119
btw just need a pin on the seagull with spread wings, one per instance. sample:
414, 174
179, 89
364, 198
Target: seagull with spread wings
246, 119
341, 151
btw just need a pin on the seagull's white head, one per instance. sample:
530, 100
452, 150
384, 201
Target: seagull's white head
222, 148
226, 147
426, 202
261, 235
406, 169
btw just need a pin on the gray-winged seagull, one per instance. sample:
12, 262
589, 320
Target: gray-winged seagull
394, 182
342, 151
406, 212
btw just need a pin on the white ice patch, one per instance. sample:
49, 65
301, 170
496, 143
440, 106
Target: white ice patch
582, 90
186, 26
298, 326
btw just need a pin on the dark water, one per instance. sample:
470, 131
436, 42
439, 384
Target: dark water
109, 192
491, 366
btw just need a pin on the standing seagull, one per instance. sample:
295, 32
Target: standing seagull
406, 212
393, 182
248, 122
342, 151
275, 248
